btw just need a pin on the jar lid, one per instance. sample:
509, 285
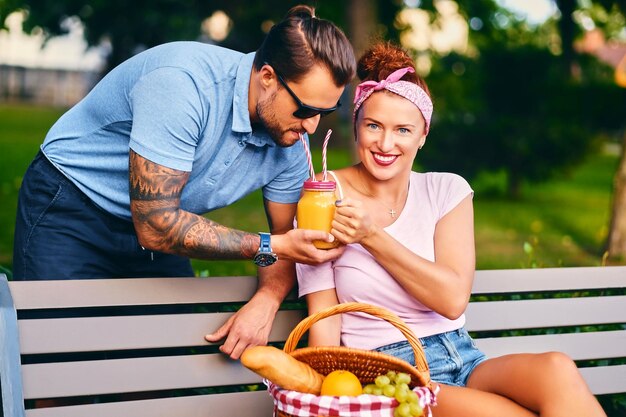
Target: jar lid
319, 185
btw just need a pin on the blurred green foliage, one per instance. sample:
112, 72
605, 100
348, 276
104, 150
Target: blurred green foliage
131, 26
513, 110
509, 105
566, 218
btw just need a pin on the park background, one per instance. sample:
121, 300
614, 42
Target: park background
530, 106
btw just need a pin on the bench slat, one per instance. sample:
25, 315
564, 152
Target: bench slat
579, 346
548, 279
605, 379
130, 291
87, 334
63, 379
145, 374
602, 380
150, 291
524, 314
218, 405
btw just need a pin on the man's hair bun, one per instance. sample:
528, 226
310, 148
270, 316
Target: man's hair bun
301, 11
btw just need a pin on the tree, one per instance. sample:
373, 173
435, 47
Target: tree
617, 234
509, 105
616, 242
600, 10
128, 26
589, 81
133, 26
512, 111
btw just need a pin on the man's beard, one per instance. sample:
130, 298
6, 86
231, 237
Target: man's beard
270, 123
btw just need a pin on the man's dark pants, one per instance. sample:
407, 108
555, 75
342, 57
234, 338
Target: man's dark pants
61, 234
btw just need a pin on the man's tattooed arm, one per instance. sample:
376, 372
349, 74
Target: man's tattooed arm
161, 225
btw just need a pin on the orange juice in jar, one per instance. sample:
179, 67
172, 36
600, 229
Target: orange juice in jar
316, 209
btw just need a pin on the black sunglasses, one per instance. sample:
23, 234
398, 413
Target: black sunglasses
305, 111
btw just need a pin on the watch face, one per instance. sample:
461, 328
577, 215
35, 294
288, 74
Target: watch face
264, 259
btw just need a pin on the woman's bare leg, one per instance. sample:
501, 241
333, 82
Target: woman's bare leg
468, 402
547, 383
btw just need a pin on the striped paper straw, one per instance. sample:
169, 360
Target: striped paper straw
308, 157
324, 150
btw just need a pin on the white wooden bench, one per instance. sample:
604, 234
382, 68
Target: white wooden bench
122, 347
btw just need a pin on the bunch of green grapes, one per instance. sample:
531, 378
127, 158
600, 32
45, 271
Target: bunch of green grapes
396, 385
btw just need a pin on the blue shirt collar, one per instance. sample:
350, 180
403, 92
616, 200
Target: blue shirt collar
241, 115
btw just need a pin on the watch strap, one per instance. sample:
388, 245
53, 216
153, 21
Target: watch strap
265, 245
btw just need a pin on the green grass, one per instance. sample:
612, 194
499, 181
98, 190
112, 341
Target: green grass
22, 130
564, 221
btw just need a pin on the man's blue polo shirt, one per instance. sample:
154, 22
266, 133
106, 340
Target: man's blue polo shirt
183, 105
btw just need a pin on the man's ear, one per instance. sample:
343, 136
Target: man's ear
267, 76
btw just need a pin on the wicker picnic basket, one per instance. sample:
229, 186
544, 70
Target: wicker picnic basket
365, 364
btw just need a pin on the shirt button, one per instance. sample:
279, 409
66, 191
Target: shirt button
241, 143
227, 163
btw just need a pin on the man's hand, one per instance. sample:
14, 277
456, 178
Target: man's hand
297, 245
250, 326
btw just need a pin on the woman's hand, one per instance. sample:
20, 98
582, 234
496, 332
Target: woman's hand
352, 222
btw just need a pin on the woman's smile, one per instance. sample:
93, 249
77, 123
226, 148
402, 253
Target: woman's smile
384, 159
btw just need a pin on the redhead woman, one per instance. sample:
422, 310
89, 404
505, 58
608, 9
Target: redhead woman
410, 249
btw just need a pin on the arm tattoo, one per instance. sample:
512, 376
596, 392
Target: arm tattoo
162, 225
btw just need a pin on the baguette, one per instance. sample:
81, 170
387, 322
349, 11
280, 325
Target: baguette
282, 369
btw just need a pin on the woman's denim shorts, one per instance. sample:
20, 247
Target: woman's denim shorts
451, 356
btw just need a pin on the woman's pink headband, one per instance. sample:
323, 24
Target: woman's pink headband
411, 91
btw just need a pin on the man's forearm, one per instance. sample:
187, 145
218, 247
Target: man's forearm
277, 281
161, 225
193, 236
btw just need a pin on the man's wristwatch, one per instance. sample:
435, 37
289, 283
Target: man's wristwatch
265, 256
